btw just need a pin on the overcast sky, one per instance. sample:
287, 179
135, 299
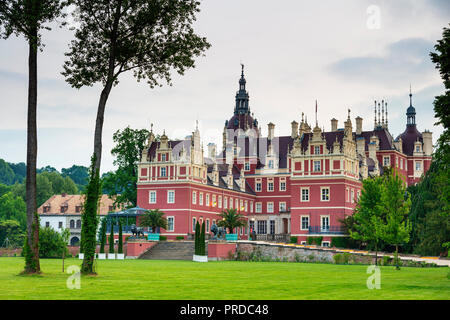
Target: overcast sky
294, 52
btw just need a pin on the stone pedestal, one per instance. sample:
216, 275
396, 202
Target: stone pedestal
136, 247
220, 250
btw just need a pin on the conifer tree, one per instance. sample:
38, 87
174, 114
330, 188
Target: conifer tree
111, 238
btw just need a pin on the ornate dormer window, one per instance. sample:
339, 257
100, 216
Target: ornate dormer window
316, 149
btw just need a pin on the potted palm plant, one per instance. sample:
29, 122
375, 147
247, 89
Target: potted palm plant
102, 254
154, 219
231, 219
200, 246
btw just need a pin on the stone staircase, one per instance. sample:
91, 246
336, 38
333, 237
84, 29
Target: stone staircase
170, 250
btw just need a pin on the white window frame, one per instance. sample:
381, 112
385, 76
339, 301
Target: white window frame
420, 166
225, 202
169, 192
220, 202
317, 168
168, 224
194, 197
163, 169
321, 194
325, 242
301, 194
200, 199
282, 182
280, 204
150, 196
270, 183
388, 162
258, 207
316, 149
258, 186
194, 222
321, 222
301, 223
271, 210
207, 198
247, 166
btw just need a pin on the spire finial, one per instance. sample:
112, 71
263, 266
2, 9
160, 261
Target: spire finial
348, 113
151, 127
196, 124
375, 119
410, 96
316, 113
242, 72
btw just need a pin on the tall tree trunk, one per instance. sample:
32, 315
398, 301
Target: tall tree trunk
32, 264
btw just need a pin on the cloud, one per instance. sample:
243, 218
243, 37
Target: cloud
406, 60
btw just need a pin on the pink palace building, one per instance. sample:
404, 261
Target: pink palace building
297, 185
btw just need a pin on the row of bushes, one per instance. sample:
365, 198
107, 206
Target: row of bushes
337, 242
347, 258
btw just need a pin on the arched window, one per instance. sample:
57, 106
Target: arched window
72, 224
78, 224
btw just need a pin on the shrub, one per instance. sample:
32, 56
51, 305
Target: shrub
310, 240
339, 242
294, 239
318, 241
162, 238
51, 243
180, 238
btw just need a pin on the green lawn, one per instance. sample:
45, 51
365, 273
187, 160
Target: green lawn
147, 279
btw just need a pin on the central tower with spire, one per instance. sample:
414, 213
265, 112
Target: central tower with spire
242, 96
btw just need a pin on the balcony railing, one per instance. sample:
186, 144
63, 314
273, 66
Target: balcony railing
326, 230
274, 237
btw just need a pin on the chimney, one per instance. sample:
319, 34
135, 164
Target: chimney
294, 133
427, 142
334, 125
63, 194
359, 121
271, 129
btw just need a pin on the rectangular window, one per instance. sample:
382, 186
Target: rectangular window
207, 226
194, 222
262, 227
316, 150
194, 197
246, 206
163, 172
47, 224
270, 186
353, 196
386, 161
251, 226
220, 201
270, 164
418, 166
305, 222
207, 203
325, 194
282, 206
272, 227
325, 243
231, 203
214, 200
258, 186
200, 199
247, 166
170, 223
401, 164
316, 166
171, 196
258, 207
283, 186
305, 194
152, 197
60, 225
225, 202
417, 148
163, 157
325, 223
270, 207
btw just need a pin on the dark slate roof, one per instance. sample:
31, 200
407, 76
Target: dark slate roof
384, 137
242, 121
175, 145
409, 137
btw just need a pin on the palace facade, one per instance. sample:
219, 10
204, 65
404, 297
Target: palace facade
298, 185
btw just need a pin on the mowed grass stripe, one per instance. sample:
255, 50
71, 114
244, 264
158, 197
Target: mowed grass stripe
169, 279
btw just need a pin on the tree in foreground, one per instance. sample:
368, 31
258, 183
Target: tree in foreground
369, 213
231, 219
103, 235
154, 219
148, 37
122, 184
28, 18
396, 203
